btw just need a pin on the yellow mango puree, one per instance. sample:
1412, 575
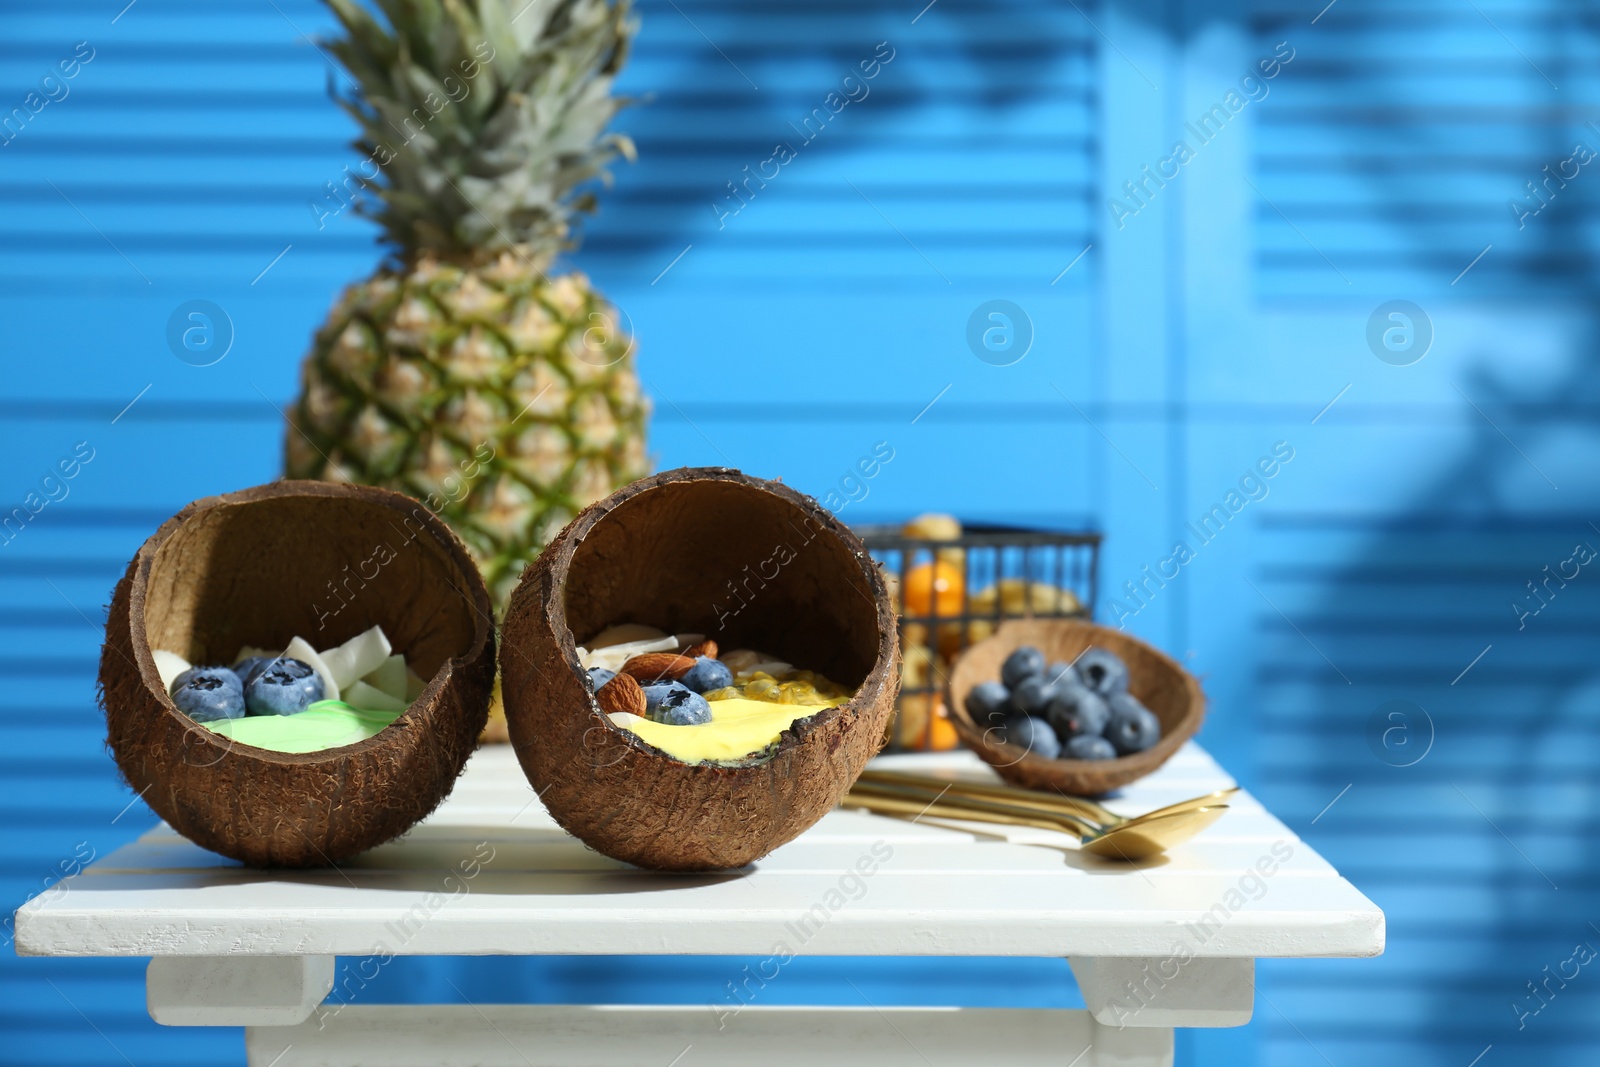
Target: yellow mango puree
325, 724
739, 727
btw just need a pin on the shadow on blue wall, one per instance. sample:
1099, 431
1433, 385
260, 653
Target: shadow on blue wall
1472, 810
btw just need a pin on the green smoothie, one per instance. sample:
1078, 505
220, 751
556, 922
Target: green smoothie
323, 725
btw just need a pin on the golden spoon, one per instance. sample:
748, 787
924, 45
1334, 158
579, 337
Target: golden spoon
1103, 816
1140, 838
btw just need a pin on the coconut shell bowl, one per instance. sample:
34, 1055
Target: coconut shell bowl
750, 564
1169, 691
260, 567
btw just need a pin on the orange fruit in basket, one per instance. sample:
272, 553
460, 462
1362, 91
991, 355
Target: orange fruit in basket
943, 737
938, 527
934, 589
923, 724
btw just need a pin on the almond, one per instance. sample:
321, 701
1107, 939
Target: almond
706, 648
656, 666
622, 693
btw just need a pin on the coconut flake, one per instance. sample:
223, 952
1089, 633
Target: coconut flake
369, 698
389, 677
625, 633
773, 667
613, 657
414, 686
742, 659
169, 665
357, 657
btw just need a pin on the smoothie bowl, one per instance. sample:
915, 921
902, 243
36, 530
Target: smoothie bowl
697, 668
297, 672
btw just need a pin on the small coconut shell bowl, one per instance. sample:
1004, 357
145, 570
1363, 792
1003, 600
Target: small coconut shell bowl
260, 567
1168, 690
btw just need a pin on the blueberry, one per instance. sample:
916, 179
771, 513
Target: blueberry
207, 694
598, 677
1034, 735
283, 687
1133, 727
1033, 696
1076, 712
1085, 746
1102, 671
707, 674
656, 692
1025, 662
988, 703
675, 704
248, 668
219, 675
1058, 672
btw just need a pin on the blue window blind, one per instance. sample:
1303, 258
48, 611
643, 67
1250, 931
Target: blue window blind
1427, 717
1408, 139
189, 158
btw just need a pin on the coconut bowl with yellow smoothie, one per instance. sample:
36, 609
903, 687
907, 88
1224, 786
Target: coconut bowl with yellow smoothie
697, 668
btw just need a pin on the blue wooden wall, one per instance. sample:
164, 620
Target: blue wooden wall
1173, 345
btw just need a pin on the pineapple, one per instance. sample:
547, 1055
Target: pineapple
463, 372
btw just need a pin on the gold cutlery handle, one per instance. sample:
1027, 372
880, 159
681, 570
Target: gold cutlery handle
1083, 809
947, 798
891, 805
1105, 818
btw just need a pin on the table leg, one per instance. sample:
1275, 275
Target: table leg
1167, 991
236, 990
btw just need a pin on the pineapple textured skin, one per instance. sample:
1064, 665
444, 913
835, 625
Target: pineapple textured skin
503, 401
462, 372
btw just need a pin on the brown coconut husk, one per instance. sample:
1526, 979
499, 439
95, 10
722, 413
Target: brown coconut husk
253, 568
1168, 690
749, 563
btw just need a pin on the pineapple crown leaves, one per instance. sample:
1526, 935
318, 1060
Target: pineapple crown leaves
481, 118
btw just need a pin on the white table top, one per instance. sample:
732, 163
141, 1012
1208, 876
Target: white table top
934, 888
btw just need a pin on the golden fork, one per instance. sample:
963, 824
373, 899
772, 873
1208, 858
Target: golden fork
1053, 802
1140, 838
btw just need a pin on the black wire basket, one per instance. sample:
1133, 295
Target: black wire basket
953, 592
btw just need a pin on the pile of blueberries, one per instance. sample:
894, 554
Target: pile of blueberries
260, 685
677, 703
1078, 710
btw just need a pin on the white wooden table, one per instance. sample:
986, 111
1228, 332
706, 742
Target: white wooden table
1166, 943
